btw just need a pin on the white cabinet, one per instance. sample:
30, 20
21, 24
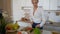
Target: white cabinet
58, 4
26, 2
50, 4
53, 4
46, 4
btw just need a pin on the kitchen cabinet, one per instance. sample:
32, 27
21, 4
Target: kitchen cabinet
45, 4
58, 4
50, 4
53, 4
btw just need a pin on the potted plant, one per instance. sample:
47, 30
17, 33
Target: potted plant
3, 23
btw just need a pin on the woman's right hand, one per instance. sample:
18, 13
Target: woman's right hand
38, 26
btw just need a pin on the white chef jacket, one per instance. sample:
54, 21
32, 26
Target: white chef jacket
38, 16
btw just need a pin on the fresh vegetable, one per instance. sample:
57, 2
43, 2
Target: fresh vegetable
28, 28
12, 26
36, 31
19, 32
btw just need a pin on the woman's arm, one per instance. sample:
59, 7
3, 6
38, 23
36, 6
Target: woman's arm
31, 20
43, 20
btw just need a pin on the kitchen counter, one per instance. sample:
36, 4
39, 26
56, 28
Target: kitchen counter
50, 27
54, 27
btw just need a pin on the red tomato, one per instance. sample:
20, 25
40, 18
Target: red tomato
29, 28
19, 33
8, 28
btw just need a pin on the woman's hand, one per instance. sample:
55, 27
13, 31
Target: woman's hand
38, 25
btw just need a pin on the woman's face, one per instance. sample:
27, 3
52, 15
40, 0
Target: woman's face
34, 2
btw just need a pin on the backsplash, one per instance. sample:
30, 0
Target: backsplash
53, 15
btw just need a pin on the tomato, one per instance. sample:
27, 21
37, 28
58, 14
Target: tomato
29, 28
19, 32
8, 28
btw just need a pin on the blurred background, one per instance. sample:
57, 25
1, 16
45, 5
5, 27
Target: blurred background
16, 9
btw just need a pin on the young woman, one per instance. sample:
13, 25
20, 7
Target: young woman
37, 17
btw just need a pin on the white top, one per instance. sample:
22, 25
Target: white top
38, 16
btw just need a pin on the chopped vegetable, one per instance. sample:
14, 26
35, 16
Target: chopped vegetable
37, 31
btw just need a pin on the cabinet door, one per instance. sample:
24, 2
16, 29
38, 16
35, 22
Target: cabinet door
46, 4
50, 4
26, 3
58, 4
53, 4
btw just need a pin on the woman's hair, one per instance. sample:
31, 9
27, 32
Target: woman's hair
35, 0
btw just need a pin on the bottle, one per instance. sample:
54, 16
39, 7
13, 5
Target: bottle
16, 26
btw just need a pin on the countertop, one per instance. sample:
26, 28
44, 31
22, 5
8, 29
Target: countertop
55, 27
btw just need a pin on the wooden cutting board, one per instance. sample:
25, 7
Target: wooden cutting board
55, 33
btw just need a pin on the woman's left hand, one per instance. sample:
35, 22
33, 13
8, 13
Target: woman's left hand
38, 25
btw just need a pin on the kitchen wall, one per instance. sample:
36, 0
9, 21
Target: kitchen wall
58, 2
1, 4
6, 6
53, 15
18, 12
16, 6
